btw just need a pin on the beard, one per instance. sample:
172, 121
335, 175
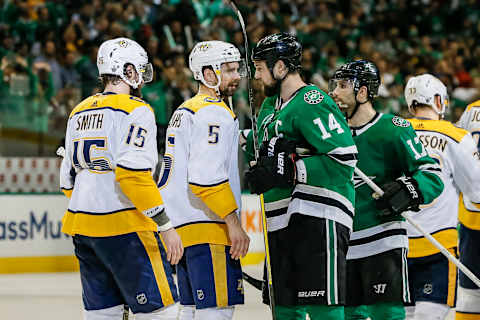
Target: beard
229, 91
273, 89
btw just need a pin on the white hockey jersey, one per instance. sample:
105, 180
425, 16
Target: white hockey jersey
200, 182
469, 211
110, 138
454, 149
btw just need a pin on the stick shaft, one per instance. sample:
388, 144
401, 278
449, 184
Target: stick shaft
428, 236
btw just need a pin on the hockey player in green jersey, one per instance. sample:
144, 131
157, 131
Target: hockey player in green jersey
391, 154
309, 200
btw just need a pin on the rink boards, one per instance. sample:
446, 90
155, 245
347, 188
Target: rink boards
31, 239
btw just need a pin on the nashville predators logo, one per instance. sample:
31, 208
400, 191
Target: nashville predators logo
123, 43
203, 47
313, 97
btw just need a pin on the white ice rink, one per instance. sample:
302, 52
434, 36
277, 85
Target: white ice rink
57, 296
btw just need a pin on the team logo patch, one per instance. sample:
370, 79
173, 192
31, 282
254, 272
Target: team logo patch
142, 298
400, 122
428, 288
313, 97
200, 294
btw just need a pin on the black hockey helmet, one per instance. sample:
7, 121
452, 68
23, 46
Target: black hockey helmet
363, 73
279, 46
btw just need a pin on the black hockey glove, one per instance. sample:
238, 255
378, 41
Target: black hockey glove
400, 195
275, 146
276, 171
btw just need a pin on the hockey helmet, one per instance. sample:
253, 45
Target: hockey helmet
362, 73
279, 46
213, 54
422, 89
115, 55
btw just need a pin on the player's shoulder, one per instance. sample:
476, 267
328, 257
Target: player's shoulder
394, 123
473, 106
443, 127
123, 103
204, 104
311, 95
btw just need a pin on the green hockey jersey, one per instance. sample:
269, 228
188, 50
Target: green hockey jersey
388, 148
325, 177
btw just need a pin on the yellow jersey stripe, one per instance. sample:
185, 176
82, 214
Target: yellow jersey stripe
139, 187
452, 280
219, 263
124, 103
443, 127
204, 232
67, 192
473, 104
466, 316
112, 224
219, 198
421, 247
470, 219
201, 101
153, 250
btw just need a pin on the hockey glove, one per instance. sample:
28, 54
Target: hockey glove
275, 146
400, 195
270, 172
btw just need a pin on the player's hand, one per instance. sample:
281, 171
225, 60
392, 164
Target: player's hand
400, 195
276, 171
277, 145
173, 245
238, 237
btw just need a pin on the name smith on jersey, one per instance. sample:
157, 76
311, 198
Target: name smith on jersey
90, 121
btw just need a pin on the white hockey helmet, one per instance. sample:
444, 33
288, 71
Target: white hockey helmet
213, 54
114, 55
422, 89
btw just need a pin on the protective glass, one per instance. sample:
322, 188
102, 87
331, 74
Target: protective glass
146, 71
343, 84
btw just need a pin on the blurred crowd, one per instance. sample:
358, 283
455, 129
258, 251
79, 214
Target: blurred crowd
48, 48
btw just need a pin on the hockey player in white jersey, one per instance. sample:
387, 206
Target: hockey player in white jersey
116, 213
201, 187
468, 301
432, 277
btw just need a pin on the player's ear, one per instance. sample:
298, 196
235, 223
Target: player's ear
209, 76
362, 93
438, 102
280, 69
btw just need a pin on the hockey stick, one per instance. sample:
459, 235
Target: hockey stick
257, 283
256, 150
432, 240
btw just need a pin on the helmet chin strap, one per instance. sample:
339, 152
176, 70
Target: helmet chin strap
357, 105
215, 87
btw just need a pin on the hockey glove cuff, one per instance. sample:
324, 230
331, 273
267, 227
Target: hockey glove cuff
277, 145
400, 195
159, 215
270, 172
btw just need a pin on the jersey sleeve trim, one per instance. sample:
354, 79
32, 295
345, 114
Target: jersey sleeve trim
208, 185
133, 169
100, 213
187, 109
139, 187
219, 198
67, 192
